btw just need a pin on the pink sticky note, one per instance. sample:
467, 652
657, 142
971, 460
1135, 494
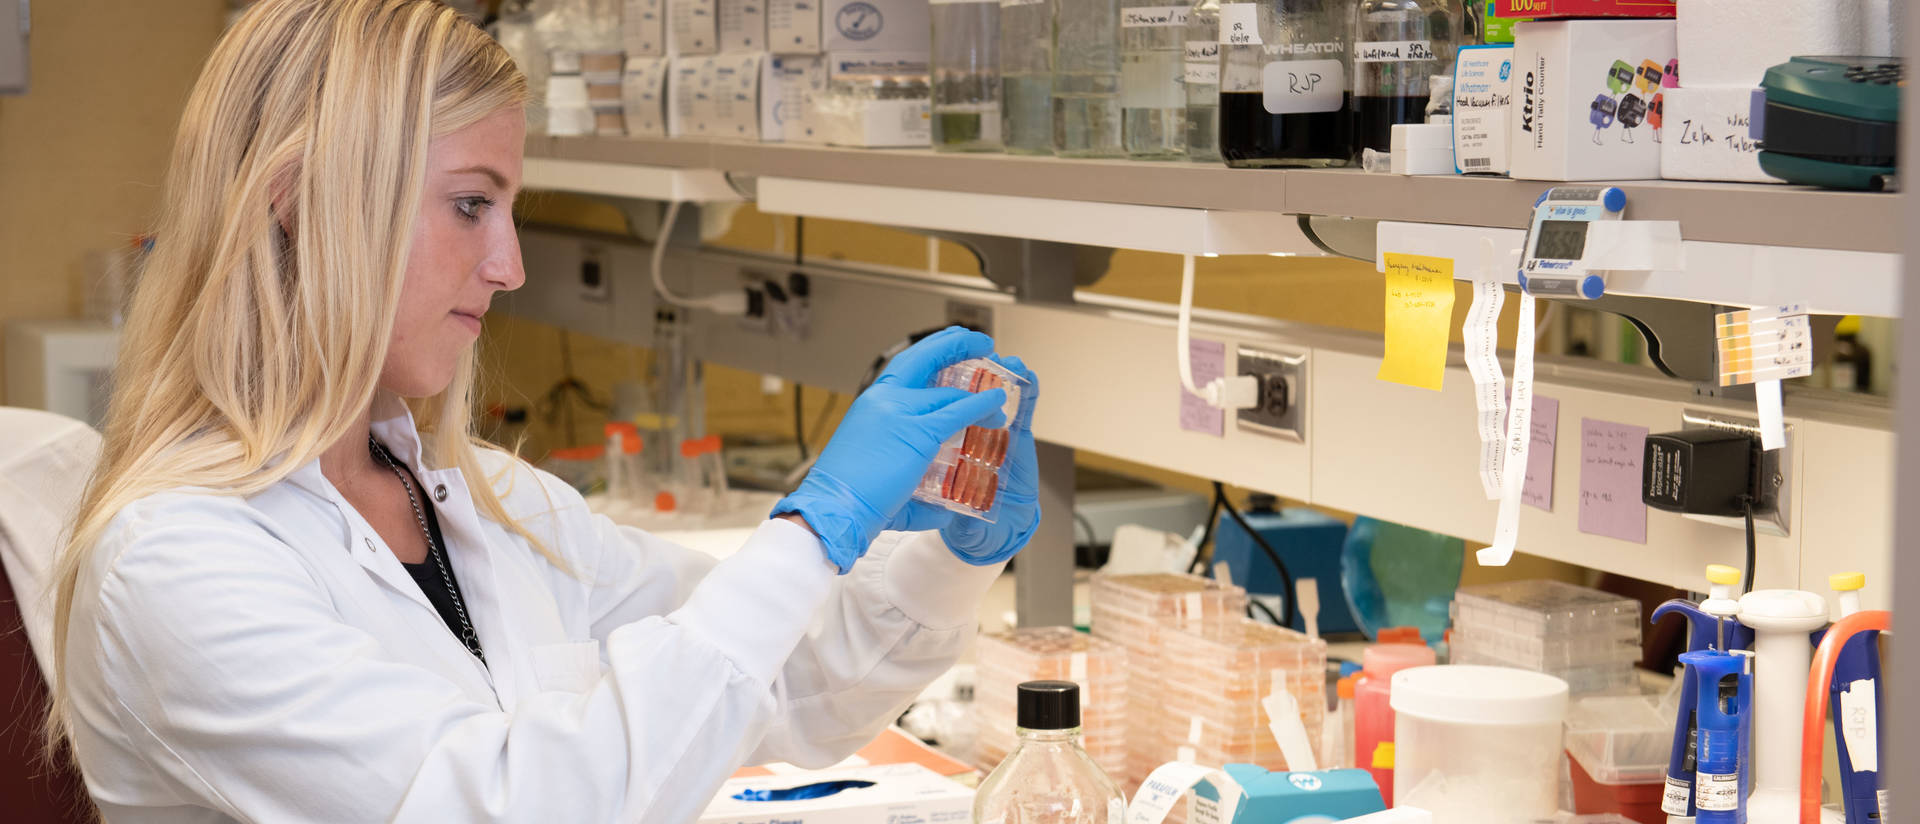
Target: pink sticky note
1610, 480
1209, 360
1545, 423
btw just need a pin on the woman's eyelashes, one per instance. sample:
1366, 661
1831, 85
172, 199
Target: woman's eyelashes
472, 207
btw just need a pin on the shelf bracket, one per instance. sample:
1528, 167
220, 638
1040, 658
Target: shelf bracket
1679, 334
1034, 270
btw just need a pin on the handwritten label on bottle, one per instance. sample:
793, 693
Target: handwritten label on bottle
1203, 63
1392, 51
1153, 17
1303, 86
1240, 24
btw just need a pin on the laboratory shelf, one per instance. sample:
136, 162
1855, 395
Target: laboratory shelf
1750, 214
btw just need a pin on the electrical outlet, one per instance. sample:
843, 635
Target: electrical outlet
1283, 393
1773, 470
596, 277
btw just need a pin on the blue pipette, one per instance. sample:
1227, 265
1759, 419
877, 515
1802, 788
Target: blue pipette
1704, 631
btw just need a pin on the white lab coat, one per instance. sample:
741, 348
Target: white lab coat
268, 659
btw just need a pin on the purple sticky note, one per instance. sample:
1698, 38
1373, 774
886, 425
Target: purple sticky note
1545, 423
1209, 361
1610, 480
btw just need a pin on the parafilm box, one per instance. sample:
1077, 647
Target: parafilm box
1582, 95
1584, 8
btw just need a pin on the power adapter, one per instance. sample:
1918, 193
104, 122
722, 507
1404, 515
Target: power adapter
1699, 472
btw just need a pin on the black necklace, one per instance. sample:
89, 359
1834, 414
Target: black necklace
467, 635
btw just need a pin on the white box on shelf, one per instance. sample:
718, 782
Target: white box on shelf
788, 86
1706, 135
793, 26
869, 102
643, 27
1482, 104
1583, 90
692, 27
1734, 42
876, 26
736, 96
899, 792
643, 91
743, 26
690, 96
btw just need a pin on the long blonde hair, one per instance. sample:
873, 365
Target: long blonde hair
257, 331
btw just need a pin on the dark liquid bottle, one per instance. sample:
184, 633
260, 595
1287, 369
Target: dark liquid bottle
1398, 46
1374, 118
1284, 83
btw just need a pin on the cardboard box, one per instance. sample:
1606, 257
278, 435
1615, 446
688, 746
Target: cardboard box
793, 26
1482, 105
1583, 91
877, 26
899, 793
849, 113
743, 26
643, 91
692, 27
1540, 9
643, 27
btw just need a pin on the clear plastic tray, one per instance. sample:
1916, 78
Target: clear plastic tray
1542, 655
1621, 739
1049, 653
1183, 702
965, 475
1240, 648
1546, 610
1158, 596
1616, 678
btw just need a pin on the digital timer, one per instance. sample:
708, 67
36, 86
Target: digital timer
1551, 262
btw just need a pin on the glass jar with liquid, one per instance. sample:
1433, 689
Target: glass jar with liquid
1284, 97
1202, 81
1048, 778
1086, 79
1026, 76
966, 75
1397, 46
1153, 98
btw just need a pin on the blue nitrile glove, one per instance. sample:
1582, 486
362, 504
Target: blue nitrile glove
891, 434
1017, 506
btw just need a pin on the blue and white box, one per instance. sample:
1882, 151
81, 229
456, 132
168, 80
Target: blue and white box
1482, 102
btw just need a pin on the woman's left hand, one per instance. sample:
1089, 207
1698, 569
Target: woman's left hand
1016, 507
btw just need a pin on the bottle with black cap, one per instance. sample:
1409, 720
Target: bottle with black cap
1048, 778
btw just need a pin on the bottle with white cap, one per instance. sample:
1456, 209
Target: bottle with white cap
1720, 601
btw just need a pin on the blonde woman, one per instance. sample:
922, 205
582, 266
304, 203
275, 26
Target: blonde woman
298, 591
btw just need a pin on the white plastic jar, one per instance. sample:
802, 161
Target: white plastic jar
1478, 745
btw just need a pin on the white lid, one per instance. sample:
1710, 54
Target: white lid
1480, 695
1788, 610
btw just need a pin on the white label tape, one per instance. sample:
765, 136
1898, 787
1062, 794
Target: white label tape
1482, 336
1859, 727
1506, 527
1773, 425
1168, 783
1392, 51
1240, 24
1153, 17
1678, 796
1303, 86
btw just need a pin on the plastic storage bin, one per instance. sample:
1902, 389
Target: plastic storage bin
1478, 744
1619, 748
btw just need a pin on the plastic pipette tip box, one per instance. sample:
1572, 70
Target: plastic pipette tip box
965, 475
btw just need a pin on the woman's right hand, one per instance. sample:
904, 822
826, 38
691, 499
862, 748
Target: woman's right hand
890, 435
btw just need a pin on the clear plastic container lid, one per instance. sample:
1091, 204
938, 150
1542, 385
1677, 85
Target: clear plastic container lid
1621, 739
1544, 609
1053, 653
1479, 695
1169, 595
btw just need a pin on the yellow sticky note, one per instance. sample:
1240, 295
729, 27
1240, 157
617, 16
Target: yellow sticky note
1419, 308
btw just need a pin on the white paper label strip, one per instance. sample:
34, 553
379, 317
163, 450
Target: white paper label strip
1482, 336
1240, 24
1773, 426
1392, 51
1858, 727
1153, 17
1168, 783
1506, 527
1283, 721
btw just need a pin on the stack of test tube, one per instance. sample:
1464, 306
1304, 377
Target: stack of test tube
1135, 611
1218, 677
1006, 659
1588, 638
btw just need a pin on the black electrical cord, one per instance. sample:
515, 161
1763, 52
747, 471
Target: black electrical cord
799, 423
799, 240
1080, 522
1262, 606
1213, 515
1286, 577
1747, 500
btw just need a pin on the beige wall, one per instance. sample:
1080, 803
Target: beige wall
82, 153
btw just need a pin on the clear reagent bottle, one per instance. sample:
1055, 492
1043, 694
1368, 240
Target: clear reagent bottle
1048, 778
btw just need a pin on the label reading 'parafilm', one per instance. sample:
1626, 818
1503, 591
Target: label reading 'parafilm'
1392, 51
1674, 800
1240, 24
1719, 792
1153, 17
1203, 62
1303, 86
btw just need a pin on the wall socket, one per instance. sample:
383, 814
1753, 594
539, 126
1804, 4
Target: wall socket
596, 277
1773, 469
1283, 393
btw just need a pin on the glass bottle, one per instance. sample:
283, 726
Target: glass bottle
1284, 97
1202, 79
966, 75
1048, 778
1026, 76
1397, 45
1086, 78
1153, 104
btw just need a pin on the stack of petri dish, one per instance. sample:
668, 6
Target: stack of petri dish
1003, 660
1588, 638
1135, 611
1218, 677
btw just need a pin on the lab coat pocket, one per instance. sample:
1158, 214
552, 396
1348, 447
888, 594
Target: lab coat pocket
571, 666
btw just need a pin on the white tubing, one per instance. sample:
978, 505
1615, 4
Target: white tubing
724, 303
